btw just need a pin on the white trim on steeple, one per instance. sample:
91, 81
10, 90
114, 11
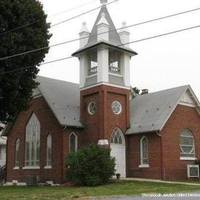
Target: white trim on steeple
124, 34
84, 28
84, 35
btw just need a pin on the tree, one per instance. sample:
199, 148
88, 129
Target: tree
16, 85
90, 166
134, 92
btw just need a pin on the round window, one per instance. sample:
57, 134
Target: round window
92, 108
116, 107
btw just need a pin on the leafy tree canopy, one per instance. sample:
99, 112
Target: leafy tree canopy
16, 87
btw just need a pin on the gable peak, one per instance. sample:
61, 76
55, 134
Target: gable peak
103, 19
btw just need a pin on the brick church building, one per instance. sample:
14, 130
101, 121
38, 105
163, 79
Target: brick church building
151, 135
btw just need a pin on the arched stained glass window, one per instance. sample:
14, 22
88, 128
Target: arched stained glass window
32, 152
144, 151
117, 137
187, 144
49, 151
17, 156
73, 142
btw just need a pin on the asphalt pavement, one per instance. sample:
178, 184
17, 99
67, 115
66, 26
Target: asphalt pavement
185, 196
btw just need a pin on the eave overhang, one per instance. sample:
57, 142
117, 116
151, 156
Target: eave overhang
104, 43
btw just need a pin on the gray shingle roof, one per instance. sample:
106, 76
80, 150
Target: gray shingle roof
150, 112
113, 35
63, 98
114, 38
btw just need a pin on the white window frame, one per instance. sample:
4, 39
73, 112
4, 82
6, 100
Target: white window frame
33, 141
92, 108
186, 155
49, 145
188, 171
142, 164
116, 104
76, 141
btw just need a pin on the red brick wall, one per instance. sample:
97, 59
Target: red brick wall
48, 124
183, 117
133, 157
101, 125
164, 151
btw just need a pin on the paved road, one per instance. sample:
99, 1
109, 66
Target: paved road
192, 196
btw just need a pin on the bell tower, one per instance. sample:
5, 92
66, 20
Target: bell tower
104, 56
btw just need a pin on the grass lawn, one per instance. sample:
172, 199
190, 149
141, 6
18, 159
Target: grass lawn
64, 193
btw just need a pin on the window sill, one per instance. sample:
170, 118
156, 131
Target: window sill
144, 166
47, 167
15, 168
31, 167
188, 158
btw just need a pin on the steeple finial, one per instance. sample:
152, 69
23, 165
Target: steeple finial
104, 2
84, 28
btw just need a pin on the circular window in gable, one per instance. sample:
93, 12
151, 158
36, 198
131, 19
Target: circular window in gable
116, 107
92, 108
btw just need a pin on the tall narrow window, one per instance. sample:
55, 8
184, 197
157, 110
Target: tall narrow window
187, 145
73, 142
49, 151
17, 159
32, 142
144, 151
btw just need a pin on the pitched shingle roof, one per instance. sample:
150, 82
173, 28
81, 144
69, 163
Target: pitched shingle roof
114, 38
113, 35
150, 112
63, 98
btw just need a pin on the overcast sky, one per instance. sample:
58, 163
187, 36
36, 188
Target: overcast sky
161, 63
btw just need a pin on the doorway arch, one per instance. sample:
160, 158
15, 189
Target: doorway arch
118, 151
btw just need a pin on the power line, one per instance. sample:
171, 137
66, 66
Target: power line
56, 24
165, 17
45, 63
77, 39
161, 35
38, 20
84, 13
135, 41
74, 8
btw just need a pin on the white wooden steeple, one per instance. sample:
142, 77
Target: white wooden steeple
103, 57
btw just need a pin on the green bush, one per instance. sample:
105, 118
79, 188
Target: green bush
90, 166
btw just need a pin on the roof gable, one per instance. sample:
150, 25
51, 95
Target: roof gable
63, 98
150, 112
